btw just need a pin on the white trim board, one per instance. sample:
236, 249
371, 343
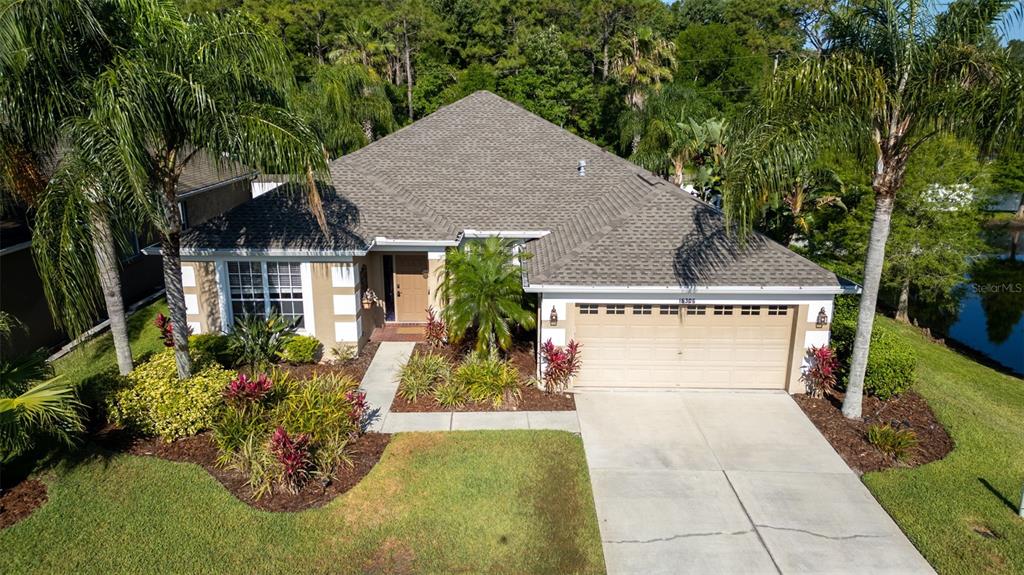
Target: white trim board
685, 291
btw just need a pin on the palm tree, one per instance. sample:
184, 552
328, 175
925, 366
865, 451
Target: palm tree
216, 85
346, 106
642, 61
47, 53
47, 409
482, 288
890, 78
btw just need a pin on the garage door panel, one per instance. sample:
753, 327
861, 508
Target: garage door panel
655, 350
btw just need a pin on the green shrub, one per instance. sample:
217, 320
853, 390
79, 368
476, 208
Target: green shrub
488, 379
235, 426
892, 441
214, 345
451, 395
421, 374
891, 365
302, 349
253, 458
155, 401
320, 408
258, 342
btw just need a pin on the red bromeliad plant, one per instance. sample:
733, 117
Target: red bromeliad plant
561, 364
294, 455
436, 330
244, 389
163, 323
358, 400
820, 376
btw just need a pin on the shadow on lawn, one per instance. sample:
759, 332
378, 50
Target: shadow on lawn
991, 488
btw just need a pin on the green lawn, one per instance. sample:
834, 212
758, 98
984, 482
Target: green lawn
461, 502
97, 354
471, 502
977, 486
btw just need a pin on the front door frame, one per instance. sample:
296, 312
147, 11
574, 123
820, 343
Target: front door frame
391, 291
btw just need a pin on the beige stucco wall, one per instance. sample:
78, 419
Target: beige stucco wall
337, 287
200, 283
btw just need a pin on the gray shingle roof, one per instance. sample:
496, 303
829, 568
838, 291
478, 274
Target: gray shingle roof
483, 163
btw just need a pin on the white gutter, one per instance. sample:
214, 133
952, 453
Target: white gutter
769, 290
154, 250
382, 241
510, 234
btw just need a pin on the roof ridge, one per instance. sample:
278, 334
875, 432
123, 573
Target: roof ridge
615, 224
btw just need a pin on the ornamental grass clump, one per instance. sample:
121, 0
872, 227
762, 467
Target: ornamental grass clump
894, 441
561, 364
421, 374
280, 432
487, 379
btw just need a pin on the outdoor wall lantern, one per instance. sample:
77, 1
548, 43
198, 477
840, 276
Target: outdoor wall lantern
822, 319
554, 316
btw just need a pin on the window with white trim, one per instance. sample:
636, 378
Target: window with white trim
750, 310
668, 309
284, 283
245, 280
778, 309
258, 287
615, 309
642, 309
588, 309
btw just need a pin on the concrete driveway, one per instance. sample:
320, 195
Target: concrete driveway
729, 482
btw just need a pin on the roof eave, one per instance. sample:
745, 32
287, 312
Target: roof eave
684, 290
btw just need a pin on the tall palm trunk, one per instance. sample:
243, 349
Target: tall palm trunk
903, 307
408, 68
170, 245
879, 235
110, 283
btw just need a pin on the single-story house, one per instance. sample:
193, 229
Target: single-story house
645, 276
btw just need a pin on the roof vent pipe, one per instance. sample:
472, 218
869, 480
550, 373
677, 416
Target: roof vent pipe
582, 168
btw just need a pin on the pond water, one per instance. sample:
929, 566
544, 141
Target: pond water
991, 317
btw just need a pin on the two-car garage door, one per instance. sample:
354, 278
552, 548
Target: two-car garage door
730, 346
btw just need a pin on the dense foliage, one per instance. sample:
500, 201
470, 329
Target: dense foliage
153, 400
891, 366
300, 349
482, 288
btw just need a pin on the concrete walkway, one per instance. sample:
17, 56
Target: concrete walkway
720, 482
381, 382
473, 420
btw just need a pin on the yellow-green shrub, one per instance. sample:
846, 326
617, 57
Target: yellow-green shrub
153, 399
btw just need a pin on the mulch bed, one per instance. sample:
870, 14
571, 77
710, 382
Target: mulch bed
849, 437
18, 502
200, 449
354, 368
531, 399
